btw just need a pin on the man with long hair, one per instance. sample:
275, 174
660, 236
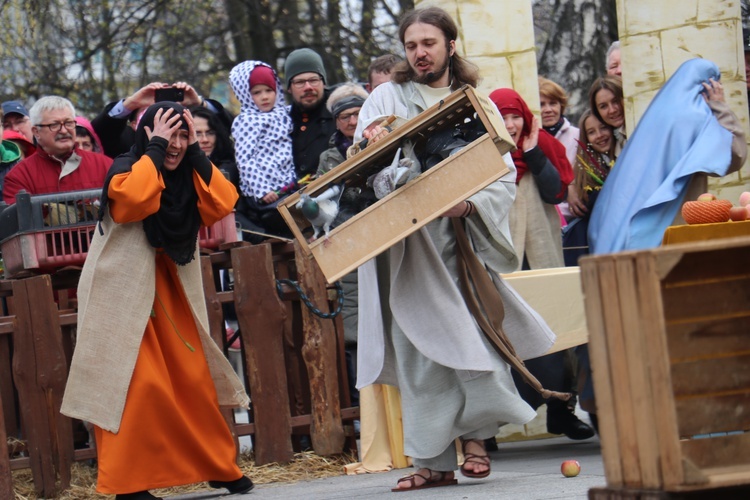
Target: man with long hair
416, 331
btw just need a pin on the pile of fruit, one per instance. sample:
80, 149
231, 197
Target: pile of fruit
707, 209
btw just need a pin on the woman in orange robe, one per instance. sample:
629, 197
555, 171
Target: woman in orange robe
170, 431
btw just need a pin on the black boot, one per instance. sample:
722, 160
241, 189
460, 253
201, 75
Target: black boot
140, 495
562, 420
241, 485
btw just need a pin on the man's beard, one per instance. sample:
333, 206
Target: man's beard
432, 76
310, 107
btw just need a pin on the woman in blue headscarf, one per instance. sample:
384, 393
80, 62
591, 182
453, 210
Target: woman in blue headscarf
687, 132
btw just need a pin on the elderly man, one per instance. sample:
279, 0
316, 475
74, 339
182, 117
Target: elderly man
417, 332
57, 164
614, 66
313, 123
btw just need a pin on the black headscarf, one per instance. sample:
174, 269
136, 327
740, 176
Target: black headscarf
175, 226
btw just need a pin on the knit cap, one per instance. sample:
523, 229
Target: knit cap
303, 61
263, 75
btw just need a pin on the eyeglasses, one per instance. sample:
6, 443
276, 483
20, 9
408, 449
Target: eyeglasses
57, 126
207, 134
314, 82
9, 122
345, 117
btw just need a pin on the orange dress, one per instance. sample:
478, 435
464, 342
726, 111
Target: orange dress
172, 431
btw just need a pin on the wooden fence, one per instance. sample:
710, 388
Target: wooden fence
293, 363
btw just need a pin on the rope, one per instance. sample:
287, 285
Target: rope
305, 299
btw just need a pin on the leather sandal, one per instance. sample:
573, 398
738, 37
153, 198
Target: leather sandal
475, 459
433, 480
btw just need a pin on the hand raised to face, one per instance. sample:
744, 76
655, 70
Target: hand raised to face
166, 123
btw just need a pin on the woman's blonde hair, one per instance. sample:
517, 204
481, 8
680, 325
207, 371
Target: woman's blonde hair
554, 91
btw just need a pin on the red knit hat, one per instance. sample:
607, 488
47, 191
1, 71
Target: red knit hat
263, 75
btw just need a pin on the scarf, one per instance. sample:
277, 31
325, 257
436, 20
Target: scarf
554, 129
508, 101
175, 226
263, 142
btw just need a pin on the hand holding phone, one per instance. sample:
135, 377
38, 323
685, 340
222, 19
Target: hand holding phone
169, 94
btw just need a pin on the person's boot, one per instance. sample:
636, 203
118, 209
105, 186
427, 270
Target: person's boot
139, 495
241, 485
562, 420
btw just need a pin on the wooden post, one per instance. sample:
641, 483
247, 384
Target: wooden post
6, 383
261, 316
319, 352
40, 373
6, 480
217, 331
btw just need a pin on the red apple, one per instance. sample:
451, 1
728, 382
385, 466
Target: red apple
745, 199
738, 213
706, 197
570, 468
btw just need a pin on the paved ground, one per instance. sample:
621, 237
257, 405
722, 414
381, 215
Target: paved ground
528, 470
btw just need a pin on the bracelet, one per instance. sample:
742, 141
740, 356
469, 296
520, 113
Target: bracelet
203, 101
469, 209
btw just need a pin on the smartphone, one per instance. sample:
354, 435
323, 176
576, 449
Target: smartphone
169, 94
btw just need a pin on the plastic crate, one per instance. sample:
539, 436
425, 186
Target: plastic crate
223, 231
42, 233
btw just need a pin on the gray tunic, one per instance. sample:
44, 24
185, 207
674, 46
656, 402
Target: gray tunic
415, 331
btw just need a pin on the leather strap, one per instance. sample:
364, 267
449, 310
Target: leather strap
486, 305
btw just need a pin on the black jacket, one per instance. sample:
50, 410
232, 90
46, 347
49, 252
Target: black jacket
310, 136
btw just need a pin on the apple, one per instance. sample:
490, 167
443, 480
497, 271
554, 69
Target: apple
738, 213
745, 199
707, 197
570, 468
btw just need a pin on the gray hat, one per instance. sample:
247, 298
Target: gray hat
14, 107
303, 61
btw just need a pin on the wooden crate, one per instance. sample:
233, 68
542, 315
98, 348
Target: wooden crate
670, 350
415, 204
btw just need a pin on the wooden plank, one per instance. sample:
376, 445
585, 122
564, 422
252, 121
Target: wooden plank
633, 321
713, 336
712, 374
7, 394
720, 412
34, 369
718, 451
261, 317
217, 331
701, 300
706, 260
319, 353
52, 372
6, 479
599, 354
618, 366
657, 358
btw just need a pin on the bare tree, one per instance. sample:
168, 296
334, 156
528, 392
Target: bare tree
572, 40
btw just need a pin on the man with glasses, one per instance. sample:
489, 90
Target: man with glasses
58, 165
313, 123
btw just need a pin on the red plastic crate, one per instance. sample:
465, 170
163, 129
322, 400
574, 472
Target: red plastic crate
44, 251
224, 231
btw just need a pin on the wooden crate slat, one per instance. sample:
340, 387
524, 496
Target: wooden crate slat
707, 260
711, 375
602, 378
637, 373
657, 355
700, 300
719, 451
714, 336
713, 413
